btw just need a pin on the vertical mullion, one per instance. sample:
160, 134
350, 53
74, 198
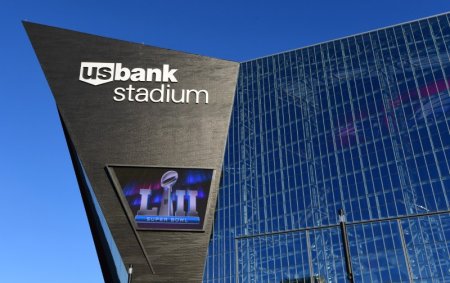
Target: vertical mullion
284, 176
299, 123
295, 189
327, 153
333, 127
318, 159
265, 154
255, 77
302, 162
405, 250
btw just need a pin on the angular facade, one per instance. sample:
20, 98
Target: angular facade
146, 128
359, 124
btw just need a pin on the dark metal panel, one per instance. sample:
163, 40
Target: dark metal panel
104, 131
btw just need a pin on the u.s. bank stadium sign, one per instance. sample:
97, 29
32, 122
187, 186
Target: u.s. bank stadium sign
98, 73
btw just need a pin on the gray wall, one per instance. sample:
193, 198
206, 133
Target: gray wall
153, 134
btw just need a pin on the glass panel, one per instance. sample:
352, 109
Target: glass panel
428, 242
275, 258
377, 253
360, 123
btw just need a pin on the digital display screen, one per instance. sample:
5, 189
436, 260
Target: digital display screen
165, 198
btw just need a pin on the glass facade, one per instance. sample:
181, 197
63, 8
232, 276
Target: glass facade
359, 124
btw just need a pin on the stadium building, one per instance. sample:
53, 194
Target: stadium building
336, 166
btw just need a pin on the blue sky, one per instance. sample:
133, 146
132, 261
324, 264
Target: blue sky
44, 233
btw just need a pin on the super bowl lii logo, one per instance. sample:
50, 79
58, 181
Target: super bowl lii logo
165, 212
165, 198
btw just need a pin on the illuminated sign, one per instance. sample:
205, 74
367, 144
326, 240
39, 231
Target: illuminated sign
164, 198
98, 73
